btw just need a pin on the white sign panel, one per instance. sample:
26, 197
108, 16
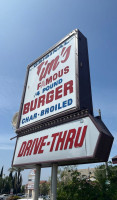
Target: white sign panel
70, 141
51, 84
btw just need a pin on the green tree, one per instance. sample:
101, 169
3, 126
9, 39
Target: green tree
7, 185
1, 184
73, 185
1, 181
23, 189
1, 173
76, 187
44, 188
13, 181
107, 180
16, 179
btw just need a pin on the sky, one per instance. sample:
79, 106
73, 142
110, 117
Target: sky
28, 29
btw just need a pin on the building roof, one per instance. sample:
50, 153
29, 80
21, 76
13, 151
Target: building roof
114, 160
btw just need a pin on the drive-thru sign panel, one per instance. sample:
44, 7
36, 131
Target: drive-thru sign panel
81, 141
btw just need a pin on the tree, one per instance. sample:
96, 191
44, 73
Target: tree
23, 189
74, 186
7, 185
1, 180
107, 180
1, 173
13, 181
44, 188
16, 179
71, 185
1, 184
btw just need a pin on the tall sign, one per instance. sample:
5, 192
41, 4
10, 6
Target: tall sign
56, 122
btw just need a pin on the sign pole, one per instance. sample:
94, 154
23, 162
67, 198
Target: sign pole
54, 181
37, 181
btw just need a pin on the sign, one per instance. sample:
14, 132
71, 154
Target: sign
51, 85
79, 141
57, 83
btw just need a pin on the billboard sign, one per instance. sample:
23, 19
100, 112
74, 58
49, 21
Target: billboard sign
79, 141
51, 84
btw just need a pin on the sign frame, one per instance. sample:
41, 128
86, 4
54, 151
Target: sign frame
82, 87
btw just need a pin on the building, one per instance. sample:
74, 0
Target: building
29, 188
89, 173
114, 160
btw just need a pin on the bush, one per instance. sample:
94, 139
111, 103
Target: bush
13, 197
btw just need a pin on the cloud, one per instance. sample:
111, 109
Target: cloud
6, 147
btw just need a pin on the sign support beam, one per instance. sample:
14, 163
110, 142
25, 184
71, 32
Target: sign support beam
37, 181
54, 181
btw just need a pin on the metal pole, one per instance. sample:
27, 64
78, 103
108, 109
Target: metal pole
36, 183
106, 167
54, 181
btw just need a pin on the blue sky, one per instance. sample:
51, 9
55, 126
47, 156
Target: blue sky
29, 28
